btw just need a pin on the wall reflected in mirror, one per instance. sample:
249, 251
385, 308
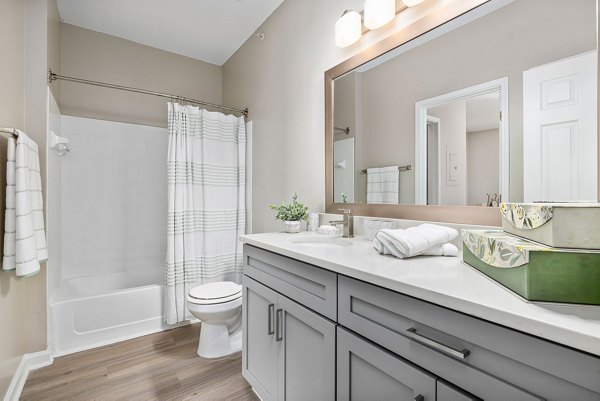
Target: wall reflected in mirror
463, 164
497, 105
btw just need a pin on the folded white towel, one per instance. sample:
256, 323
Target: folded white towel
24, 233
447, 249
425, 239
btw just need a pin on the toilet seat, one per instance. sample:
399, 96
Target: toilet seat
215, 293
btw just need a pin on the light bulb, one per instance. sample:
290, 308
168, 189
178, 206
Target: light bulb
379, 12
348, 28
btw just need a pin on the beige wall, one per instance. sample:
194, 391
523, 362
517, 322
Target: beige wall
12, 290
281, 80
347, 113
525, 34
25, 42
100, 57
483, 163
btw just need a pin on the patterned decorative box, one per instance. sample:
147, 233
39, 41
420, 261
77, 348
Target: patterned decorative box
535, 272
560, 225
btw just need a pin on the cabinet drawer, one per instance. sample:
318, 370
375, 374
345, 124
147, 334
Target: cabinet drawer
308, 285
367, 372
476, 355
448, 392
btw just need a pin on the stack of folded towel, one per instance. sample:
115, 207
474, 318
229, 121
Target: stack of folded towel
425, 239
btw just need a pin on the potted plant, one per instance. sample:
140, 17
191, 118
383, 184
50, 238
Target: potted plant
291, 214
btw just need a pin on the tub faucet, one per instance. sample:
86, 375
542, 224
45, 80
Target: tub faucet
347, 221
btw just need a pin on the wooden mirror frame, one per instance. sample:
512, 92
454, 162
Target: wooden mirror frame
477, 215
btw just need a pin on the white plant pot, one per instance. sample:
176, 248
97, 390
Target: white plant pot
292, 226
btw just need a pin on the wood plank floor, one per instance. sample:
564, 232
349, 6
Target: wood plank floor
161, 366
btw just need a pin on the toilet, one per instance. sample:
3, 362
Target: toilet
219, 307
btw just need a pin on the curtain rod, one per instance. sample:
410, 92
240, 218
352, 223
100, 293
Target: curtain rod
8, 132
53, 77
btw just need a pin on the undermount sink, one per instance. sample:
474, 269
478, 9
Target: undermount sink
321, 242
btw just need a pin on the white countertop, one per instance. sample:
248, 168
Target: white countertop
448, 282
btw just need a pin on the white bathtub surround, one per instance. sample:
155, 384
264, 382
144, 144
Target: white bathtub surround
89, 312
447, 282
24, 234
107, 202
383, 185
206, 202
424, 239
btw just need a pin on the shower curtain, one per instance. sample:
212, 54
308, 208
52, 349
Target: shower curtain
206, 202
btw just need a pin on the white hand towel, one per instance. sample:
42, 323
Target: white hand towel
425, 239
383, 185
24, 233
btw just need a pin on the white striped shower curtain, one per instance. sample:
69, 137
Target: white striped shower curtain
206, 202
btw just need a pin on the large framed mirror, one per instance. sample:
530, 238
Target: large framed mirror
474, 103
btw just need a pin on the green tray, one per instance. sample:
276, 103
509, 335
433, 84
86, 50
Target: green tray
535, 272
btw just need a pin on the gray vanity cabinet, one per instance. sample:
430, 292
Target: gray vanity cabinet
366, 372
288, 350
301, 323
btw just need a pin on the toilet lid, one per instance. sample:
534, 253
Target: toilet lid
221, 291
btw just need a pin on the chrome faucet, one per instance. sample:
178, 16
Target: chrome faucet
347, 221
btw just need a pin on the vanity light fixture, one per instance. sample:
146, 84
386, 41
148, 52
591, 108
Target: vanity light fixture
412, 3
348, 28
379, 12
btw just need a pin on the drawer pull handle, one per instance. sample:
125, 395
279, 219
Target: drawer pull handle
278, 325
420, 398
420, 338
271, 312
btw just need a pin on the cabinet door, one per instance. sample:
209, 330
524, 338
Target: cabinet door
259, 349
306, 353
366, 372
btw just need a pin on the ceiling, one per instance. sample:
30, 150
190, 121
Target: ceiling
207, 30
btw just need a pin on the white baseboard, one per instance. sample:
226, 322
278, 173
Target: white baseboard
256, 394
28, 363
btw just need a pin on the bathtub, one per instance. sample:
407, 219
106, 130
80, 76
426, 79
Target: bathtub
108, 312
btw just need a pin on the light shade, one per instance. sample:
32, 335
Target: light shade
379, 12
348, 28
410, 3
